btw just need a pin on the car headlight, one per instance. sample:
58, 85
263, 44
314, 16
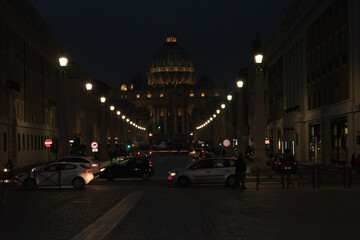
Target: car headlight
103, 169
172, 174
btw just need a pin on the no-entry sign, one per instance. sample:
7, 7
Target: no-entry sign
94, 145
48, 142
226, 143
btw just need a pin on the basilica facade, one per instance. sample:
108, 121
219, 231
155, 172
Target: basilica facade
172, 100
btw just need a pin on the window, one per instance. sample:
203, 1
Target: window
69, 166
23, 141
202, 94
148, 95
137, 95
191, 94
32, 142
18, 143
5, 143
27, 142
161, 95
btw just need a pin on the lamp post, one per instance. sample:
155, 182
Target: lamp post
259, 116
103, 130
241, 131
63, 110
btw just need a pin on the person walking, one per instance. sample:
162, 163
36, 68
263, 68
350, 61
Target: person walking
352, 162
240, 172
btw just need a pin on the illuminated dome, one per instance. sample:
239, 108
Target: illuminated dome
171, 65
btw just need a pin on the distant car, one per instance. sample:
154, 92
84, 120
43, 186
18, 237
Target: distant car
88, 161
128, 168
203, 155
72, 174
195, 151
208, 170
285, 163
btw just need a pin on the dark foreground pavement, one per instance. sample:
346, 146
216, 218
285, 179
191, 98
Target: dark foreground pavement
153, 210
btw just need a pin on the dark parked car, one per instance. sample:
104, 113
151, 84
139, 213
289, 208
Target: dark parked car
285, 163
128, 168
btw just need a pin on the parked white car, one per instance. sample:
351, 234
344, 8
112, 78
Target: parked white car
88, 161
208, 170
70, 174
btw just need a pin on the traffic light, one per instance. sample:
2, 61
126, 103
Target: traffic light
128, 146
358, 139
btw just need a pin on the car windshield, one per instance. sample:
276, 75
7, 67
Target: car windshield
288, 159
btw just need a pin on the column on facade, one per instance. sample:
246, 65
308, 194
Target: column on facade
183, 127
165, 120
153, 119
175, 119
158, 118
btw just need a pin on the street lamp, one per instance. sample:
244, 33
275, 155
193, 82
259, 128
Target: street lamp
229, 97
240, 83
64, 147
118, 113
112, 108
223, 106
63, 61
217, 111
258, 58
88, 86
103, 99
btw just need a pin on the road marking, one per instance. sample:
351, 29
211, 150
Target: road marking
101, 227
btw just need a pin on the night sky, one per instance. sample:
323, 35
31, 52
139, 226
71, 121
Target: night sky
113, 40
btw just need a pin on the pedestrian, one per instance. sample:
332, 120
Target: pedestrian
9, 165
357, 161
240, 172
352, 162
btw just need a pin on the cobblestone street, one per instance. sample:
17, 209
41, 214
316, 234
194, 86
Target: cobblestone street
162, 211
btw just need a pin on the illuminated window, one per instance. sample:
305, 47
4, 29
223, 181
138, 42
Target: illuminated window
202, 94
161, 112
179, 112
137, 95
191, 94
161, 95
217, 93
149, 95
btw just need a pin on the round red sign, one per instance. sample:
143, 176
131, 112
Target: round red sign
226, 143
48, 142
94, 145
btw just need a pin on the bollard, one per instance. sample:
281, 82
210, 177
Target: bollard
295, 184
59, 179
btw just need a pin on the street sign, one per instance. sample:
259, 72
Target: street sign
94, 145
226, 143
48, 142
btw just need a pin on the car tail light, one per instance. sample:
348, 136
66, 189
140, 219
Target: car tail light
279, 163
88, 171
294, 163
94, 165
150, 153
138, 153
150, 164
170, 178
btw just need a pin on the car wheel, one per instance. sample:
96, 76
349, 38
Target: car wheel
146, 176
78, 183
230, 181
109, 177
29, 184
183, 181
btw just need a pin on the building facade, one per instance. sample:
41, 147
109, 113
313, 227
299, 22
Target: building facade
173, 101
29, 75
312, 82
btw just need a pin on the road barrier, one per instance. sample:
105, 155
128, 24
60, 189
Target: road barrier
314, 175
